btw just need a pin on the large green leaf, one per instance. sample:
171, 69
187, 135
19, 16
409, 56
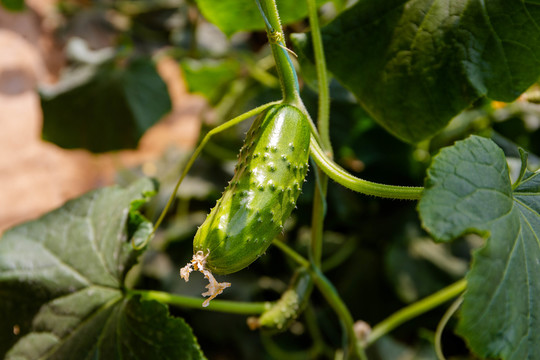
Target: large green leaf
415, 64
468, 190
110, 111
243, 15
61, 285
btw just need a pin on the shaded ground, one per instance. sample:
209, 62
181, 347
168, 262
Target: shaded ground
35, 176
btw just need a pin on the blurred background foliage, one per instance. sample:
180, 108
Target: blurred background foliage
375, 252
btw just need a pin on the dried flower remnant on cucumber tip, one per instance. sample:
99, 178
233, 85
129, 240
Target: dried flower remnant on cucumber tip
198, 263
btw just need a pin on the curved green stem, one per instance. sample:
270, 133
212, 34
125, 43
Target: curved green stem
409, 312
334, 300
317, 218
196, 153
341, 176
232, 307
442, 324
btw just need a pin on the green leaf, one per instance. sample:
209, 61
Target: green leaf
416, 64
468, 190
110, 111
210, 77
61, 285
13, 5
231, 16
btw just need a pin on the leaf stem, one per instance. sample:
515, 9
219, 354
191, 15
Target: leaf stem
442, 324
334, 300
317, 218
420, 307
284, 65
232, 307
341, 176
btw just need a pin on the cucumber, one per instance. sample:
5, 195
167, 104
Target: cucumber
268, 179
290, 305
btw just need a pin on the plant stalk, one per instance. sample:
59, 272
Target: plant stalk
334, 300
341, 176
317, 218
323, 118
323, 125
284, 65
232, 307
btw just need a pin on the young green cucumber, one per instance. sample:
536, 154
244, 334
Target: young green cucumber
268, 179
291, 304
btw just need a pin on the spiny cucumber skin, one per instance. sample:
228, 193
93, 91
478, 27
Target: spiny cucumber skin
262, 194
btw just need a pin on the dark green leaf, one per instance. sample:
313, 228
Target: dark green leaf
107, 328
109, 112
61, 285
242, 15
416, 64
468, 190
210, 77
13, 5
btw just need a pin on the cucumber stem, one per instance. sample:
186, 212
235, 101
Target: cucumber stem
341, 176
284, 65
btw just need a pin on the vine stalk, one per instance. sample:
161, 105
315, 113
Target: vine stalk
323, 118
341, 176
323, 126
232, 307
